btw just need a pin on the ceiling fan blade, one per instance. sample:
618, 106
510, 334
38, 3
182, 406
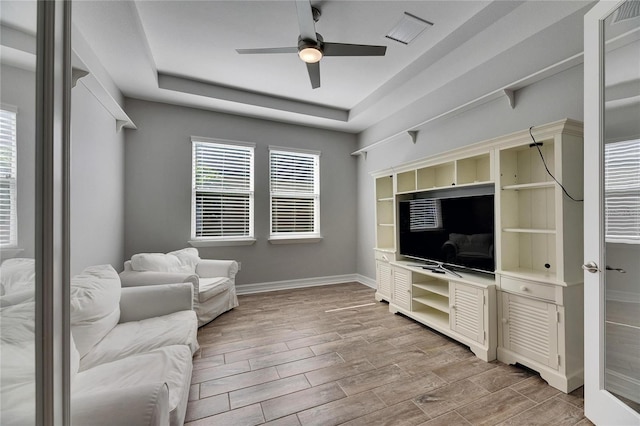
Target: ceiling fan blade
305, 20
268, 50
314, 74
342, 49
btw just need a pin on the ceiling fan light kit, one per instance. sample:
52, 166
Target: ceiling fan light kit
311, 47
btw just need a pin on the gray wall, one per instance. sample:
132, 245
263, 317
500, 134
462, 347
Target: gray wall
557, 97
158, 191
97, 184
19, 90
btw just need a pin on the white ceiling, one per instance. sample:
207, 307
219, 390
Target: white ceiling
183, 52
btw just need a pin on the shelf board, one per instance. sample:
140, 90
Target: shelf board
385, 224
437, 287
431, 317
385, 199
529, 230
534, 185
440, 305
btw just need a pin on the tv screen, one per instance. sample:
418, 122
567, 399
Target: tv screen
454, 229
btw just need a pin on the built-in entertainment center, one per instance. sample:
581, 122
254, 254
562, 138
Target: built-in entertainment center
484, 245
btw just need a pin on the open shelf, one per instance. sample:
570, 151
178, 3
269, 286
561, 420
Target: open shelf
526, 186
406, 181
530, 230
431, 317
438, 287
384, 187
473, 170
439, 176
434, 301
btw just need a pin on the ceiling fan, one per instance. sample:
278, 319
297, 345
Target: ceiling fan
312, 47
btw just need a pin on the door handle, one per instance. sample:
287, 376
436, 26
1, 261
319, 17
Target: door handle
591, 267
609, 268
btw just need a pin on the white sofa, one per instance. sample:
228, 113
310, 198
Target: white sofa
131, 351
213, 280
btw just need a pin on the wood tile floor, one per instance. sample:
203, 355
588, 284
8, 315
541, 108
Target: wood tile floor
294, 358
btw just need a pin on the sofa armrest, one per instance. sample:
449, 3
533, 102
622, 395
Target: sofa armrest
210, 268
140, 405
138, 303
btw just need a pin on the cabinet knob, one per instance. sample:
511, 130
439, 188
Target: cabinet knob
504, 320
453, 307
523, 288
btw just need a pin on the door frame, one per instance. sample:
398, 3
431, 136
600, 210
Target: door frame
601, 407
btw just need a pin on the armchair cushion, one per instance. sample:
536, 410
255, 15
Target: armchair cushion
211, 287
184, 260
95, 305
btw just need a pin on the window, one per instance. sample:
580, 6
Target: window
222, 194
8, 166
622, 191
295, 194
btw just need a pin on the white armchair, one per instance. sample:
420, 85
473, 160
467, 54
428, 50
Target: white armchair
213, 280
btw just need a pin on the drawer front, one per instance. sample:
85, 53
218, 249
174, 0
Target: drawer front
385, 256
528, 288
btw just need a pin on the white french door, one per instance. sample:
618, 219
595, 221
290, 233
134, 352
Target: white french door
612, 213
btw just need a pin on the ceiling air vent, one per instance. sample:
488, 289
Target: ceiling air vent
408, 28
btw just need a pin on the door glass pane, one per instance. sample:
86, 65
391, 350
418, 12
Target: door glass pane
17, 211
622, 202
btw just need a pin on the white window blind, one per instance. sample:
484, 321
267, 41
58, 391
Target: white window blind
424, 214
222, 191
622, 191
8, 166
295, 193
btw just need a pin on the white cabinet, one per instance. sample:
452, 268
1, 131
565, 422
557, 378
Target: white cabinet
539, 252
401, 287
531, 311
383, 280
462, 308
530, 328
466, 313
540, 326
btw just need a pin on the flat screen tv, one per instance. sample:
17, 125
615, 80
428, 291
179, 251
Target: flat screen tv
454, 228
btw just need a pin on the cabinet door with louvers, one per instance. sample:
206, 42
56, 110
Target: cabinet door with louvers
530, 328
466, 314
402, 288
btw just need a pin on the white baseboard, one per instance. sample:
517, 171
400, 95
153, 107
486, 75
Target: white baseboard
303, 282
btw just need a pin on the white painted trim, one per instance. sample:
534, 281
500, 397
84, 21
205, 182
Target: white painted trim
222, 141
222, 243
303, 283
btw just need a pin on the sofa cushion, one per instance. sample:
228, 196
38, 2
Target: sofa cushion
189, 257
95, 305
171, 365
211, 287
17, 275
134, 337
184, 260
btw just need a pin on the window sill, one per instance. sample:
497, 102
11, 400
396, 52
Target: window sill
295, 240
222, 243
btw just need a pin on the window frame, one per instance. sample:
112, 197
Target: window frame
296, 237
12, 180
224, 240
